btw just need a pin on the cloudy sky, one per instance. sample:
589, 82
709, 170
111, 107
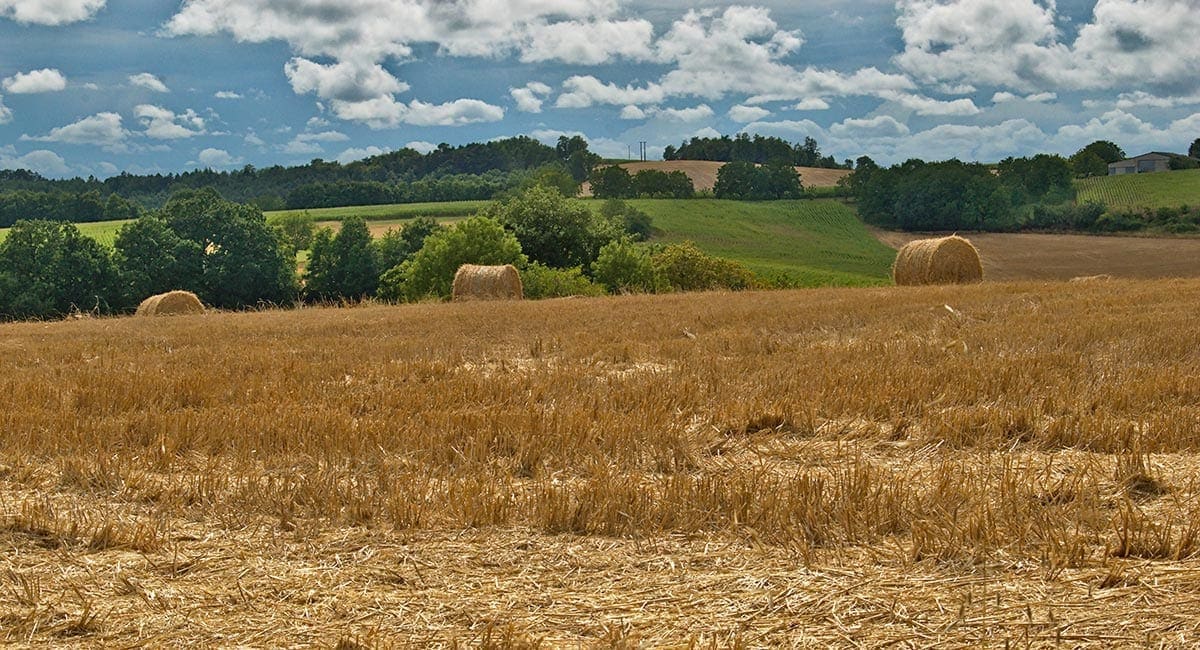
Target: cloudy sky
104, 86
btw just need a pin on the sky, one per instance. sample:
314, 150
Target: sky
101, 87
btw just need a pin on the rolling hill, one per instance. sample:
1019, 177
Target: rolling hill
1148, 191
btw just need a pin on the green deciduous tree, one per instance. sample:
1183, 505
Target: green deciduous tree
554, 230
242, 263
612, 182
1194, 150
342, 266
430, 272
154, 259
398, 244
48, 269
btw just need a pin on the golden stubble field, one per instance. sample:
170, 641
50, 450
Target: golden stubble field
1000, 465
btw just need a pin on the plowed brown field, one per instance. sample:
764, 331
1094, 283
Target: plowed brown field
1027, 256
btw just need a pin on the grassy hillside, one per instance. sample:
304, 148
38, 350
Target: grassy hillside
812, 242
389, 212
102, 231
1158, 190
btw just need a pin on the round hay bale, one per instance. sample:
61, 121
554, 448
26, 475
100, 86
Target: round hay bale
473, 282
946, 260
170, 304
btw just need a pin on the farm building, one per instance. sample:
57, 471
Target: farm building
1155, 161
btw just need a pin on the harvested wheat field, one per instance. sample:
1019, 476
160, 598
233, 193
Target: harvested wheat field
1003, 465
1030, 256
704, 173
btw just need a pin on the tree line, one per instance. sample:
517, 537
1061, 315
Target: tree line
754, 149
230, 256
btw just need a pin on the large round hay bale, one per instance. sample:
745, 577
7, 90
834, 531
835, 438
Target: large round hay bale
473, 282
946, 260
171, 303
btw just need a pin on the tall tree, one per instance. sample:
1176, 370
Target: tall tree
48, 269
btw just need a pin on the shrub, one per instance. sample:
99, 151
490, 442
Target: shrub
622, 266
295, 230
683, 267
611, 182
430, 272
633, 221
542, 281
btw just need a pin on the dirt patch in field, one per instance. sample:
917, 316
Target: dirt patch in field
1027, 256
704, 173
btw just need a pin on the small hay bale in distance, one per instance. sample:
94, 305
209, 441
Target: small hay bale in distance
945, 260
474, 282
170, 304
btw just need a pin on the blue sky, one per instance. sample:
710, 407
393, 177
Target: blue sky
97, 87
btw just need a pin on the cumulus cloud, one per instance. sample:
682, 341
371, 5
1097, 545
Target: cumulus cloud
46, 80
5, 112
102, 129
742, 113
883, 126
42, 161
585, 91
588, 43
163, 124
420, 146
361, 36
1016, 44
632, 112
1003, 97
310, 143
217, 158
149, 82
928, 106
227, 94
55, 12
691, 114
529, 98
356, 153
812, 104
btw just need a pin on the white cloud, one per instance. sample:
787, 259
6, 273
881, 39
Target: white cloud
692, 114
308, 143
632, 112
420, 146
164, 124
355, 153
1004, 97
1017, 44
101, 129
46, 80
588, 43
529, 98
52, 12
217, 158
928, 106
5, 112
344, 81
741, 113
812, 104
44, 162
883, 126
316, 122
253, 140
227, 94
585, 91
148, 81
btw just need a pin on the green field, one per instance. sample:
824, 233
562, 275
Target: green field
392, 212
1157, 190
807, 243
102, 231
814, 243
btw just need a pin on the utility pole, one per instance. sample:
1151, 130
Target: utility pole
642, 144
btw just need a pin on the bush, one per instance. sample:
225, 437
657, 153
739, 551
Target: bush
295, 230
683, 267
430, 272
656, 184
624, 267
634, 222
540, 281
